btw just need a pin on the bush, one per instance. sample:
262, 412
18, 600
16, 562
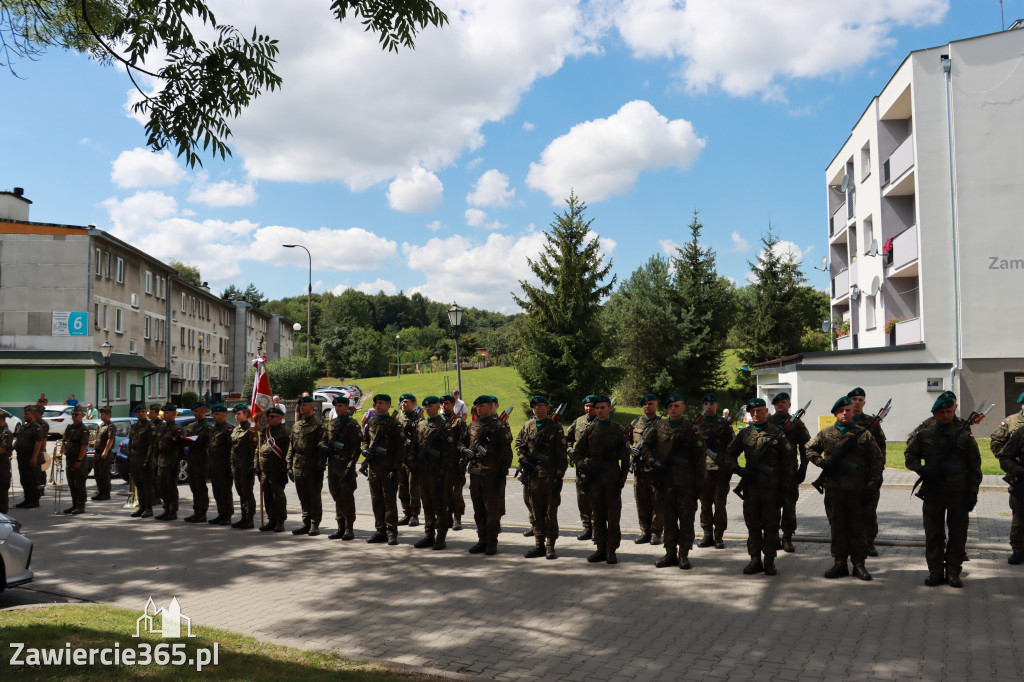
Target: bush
188, 399
289, 378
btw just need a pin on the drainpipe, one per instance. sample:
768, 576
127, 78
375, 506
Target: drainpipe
954, 227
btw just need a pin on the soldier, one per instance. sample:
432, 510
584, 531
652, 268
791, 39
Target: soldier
797, 437
220, 466
154, 413
76, 445
541, 447
306, 466
340, 447
274, 470
165, 454
490, 456
198, 458
930, 421
717, 433
949, 463
103, 455
6, 448
677, 449
765, 478
434, 443
576, 430
857, 398
244, 465
383, 448
1001, 436
140, 440
651, 525
849, 487
602, 453
30, 447
408, 487
457, 474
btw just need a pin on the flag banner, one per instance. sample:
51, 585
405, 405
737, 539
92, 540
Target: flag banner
262, 400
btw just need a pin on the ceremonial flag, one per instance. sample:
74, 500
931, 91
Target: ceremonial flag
262, 400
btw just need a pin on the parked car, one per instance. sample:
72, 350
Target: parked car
13, 423
122, 424
121, 458
58, 420
15, 554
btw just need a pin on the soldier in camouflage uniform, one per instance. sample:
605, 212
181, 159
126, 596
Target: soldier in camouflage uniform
797, 438
651, 525
602, 453
490, 456
243, 466
1007, 428
576, 430
434, 445
166, 452
383, 449
677, 449
857, 398
6, 448
140, 440
408, 487
949, 463
541, 448
457, 474
30, 447
198, 463
849, 487
717, 433
306, 466
103, 455
930, 421
76, 445
763, 444
154, 413
340, 449
273, 470
220, 466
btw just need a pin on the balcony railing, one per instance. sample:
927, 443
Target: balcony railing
904, 247
899, 162
908, 331
844, 342
832, 220
841, 284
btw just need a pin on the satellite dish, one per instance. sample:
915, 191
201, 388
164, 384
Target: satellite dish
824, 263
873, 249
855, 292
876, 284
826, 324
846, 183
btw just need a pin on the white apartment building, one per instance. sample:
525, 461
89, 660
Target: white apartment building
925, 205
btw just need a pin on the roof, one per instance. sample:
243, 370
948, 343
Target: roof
778, 362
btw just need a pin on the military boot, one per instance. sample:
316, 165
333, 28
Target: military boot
149, 512
439, 541
611, 558
642, 539
278, 527
414, 520
377, 538
424, 542
350, 533
215, 520
706, 541
314, 529
190, 518
787, 543
404, 521
537, 551
338, 534
137, 513
392, 540
599, 555
954, 578
244, 524
587, 534
719, 541
656, 539
478, 548
269, 525
457, 524
302, 530
839, 570
684, 562
871, 550
491, 550
755, 566
549, 550
769, 566
670, 559
860, 572
1016, 558
934, 579
528, 533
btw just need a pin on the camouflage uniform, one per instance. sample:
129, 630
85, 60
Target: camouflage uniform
220, 471
576, 430
101, 466
950, 492
306, 465
543, 488
140, 440
31, 475
166, 451
75, 436
651, 522
715, 491
797, 438
408, 486
198, 467
678, 472
341, 438
602, 453
383, 476
848, 493
457, 474
243, 465
434, 445
1007, 460
274, 475
491, 439
876, 491
6, 450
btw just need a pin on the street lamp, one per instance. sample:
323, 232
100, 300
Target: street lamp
455, 320
309, 295
105, 351
398, 353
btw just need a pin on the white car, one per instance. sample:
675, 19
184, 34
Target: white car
15, 554
58, 420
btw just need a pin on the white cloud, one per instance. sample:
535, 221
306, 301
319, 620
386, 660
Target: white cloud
605, 156
739, 244
784, 250
527, 126
142, 168
491, 189
418, 191
225, 193
435, 226
477, 218
669, 246
474, 162
340, 289
746, 47
377, 285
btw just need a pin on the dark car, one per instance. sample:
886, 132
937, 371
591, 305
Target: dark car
121, 467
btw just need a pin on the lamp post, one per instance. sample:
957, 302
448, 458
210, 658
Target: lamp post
455, 320
105, 351
398, 354
309, 295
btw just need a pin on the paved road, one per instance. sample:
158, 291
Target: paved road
506, 617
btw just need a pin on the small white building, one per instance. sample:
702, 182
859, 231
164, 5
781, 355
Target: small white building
925, 210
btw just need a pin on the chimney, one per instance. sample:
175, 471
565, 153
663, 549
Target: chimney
14, 205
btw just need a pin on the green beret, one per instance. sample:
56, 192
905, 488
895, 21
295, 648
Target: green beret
648, 398
756, 402
601, 398
219, 408
709, 397
156, 406
406, 396
305, 399
448, 397
170, 407
538, 400
29, 408
198, 405
77, 409
1020, 399
382, 396
482, 400
275, 410
674, 398
841, 403
105, 408
431, 400
239, 407
494, 399
590, 399
857, 392
781, 395
943, 402
950, 394
340, 400
140, 406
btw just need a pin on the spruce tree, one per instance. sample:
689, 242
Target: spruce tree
563, 342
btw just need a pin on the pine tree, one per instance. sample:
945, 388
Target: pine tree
563, 342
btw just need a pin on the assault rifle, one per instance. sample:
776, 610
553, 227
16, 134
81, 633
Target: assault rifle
373, 453
528, 463
933, 474
727, 426
754, 465
636, 452
851, 442
476, 454
663, 469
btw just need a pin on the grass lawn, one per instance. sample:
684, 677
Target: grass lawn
989, 464
239, 657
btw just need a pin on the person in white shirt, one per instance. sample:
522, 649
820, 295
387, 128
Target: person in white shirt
460, 407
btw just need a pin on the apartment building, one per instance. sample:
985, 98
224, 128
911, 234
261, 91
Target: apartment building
925, 255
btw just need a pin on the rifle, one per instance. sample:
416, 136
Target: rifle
663, 469
528, 463
372, 453
840, 458
475, 455
714, 436
1016, 483
429, 450
636, 451
935, 473
754, 465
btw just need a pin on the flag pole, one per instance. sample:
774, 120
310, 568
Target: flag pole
258, 411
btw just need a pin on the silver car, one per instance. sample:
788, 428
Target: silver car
15, 554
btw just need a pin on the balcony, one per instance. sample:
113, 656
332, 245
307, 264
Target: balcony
897, 175
908, 331
836, 222
844, 342
841, 285
904, 254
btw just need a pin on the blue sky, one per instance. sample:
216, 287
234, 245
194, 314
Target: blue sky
436, 170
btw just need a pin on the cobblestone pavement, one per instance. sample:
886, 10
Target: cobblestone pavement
507, 617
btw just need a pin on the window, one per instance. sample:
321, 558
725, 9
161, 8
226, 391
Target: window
865, 161
105, 317
160, 287
135, 300
118, 385
149, 281
97, 256
106, 264
120, 270
132, 347
182, 336
147, 327
118, 321
183, 303
869, 234
96, 315
869, 313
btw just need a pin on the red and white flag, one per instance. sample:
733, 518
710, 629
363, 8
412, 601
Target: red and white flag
262, 400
